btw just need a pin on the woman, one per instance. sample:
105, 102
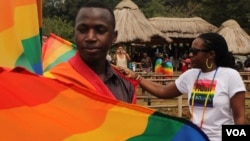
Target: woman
185, 61
216, 92
121, 58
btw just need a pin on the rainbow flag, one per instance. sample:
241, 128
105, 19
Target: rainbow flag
158, 65
33, 107
164, 67
20, 42
168, 68
56, 50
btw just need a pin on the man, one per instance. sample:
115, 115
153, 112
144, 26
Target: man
247, 63
94, 33
146, 63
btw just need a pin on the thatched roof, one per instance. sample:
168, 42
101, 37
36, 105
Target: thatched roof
182, 27
237, 39
133, 26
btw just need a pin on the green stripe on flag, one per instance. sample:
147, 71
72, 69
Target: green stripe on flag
63, 58
154, 126
23, 62
32, 50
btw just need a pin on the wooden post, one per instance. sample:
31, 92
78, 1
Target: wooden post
180, 106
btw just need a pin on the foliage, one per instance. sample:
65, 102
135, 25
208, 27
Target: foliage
215, 12
154, 9
218, 12
52, 8
59, 27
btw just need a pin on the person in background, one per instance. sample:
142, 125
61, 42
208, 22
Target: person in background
108, 57
216, 91
158, 68
44, 39
146, 63
165, 54
239, 66
168, 69
154, 58
163, 66
185, 63
247, 63
94, 33
121, 57
136, 56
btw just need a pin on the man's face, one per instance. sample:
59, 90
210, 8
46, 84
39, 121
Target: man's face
94, 33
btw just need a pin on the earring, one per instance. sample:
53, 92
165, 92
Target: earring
209, 67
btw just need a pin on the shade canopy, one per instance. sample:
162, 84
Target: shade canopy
237, 39
182, 27
134, 27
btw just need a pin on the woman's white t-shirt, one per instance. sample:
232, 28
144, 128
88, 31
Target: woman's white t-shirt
226, 83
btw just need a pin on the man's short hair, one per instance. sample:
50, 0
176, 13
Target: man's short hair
98, 4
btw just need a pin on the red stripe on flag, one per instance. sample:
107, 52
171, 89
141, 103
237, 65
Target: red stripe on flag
9, 84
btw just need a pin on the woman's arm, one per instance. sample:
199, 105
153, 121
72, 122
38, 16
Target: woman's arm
162, 91
238, 107
127, 56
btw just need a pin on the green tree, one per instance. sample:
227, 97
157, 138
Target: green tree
71, 7
154, 8
184, 10
52, 8
59, 27
217, 12
213, 11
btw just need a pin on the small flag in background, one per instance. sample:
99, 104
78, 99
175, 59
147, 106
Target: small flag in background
56, 50
42, 109
20, 43
164, 67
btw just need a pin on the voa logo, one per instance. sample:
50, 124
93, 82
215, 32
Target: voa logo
236, 132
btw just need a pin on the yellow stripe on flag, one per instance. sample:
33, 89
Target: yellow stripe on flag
11, 48
129, 117
23, 17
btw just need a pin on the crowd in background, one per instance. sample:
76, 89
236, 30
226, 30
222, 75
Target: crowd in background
145, 60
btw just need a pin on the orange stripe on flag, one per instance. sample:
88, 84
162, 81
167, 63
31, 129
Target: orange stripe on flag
6, 15
7, 11
60, 114
24, 2
40, 12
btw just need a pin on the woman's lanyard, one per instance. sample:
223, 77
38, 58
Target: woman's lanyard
205, 103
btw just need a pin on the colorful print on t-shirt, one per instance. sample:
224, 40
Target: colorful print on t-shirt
202, 90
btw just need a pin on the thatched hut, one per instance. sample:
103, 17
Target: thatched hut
133, 26
182, 27
237, 39
182, 31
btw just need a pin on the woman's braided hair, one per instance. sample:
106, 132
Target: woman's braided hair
217, 43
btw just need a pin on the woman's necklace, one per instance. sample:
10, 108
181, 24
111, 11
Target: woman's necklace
205, 103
